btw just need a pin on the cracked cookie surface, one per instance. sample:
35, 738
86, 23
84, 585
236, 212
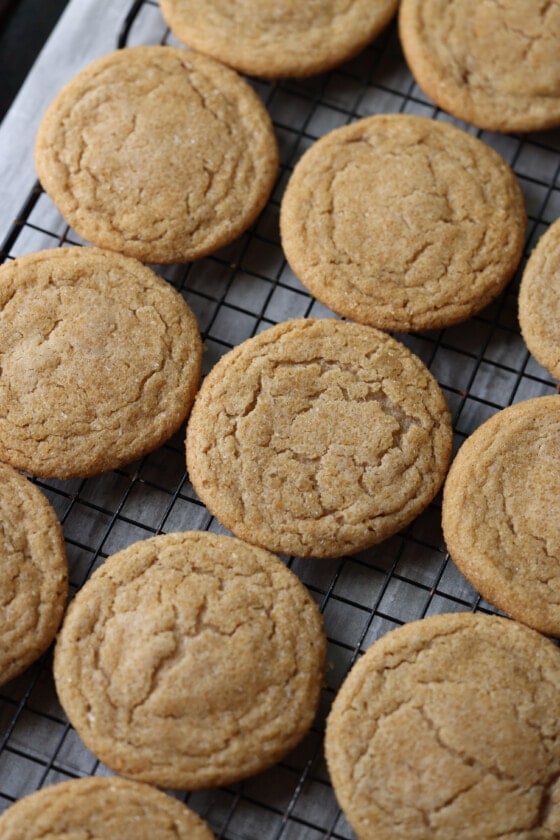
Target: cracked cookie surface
494, 64
100, 360
501, 508
101, 809
448, 729
539, 301
33, 573
191, 660
159, 153
279, 38
403, 223
318, 438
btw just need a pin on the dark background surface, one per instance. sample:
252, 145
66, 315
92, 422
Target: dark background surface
24, 27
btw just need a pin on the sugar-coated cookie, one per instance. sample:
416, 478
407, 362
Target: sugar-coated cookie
403, 223
191, 660
159, 153
448, 729
101, 809
277, 38
493, 64
100, 360
318, 437
33, 573
539, 301
501, 509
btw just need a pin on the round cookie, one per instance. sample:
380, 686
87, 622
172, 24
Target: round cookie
495, 65
448, 729
501, 509
191, 660
318, 438
539, 301
161, 154
403, 223
101, 809
100, 361
33, 573
278, 38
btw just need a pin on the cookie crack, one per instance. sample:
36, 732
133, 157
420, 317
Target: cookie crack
467, 759
205, 103
507, 555
403, 420
546, 803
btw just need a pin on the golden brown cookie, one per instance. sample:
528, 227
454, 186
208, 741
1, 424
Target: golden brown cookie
100, 360
501, 509
101, 809
191, 660
449, 729
403, 223
539, 301
493, 64
33, 573
318, 438
278, 38
161, 154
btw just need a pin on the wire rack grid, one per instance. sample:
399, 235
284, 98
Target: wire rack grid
482, 366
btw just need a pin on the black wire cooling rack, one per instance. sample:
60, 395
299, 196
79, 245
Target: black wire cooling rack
482, 366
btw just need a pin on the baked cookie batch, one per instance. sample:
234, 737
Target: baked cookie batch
101, 360
448, 728
403, 223
157, 153
318, 438
192, 660
493, 64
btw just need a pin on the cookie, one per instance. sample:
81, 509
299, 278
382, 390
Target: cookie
278, 38
100, 360
33, 573
158, 153
495, 65
101, 809
539, 301
191, 660
501, 508
403, 223
448, 729
318, 438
